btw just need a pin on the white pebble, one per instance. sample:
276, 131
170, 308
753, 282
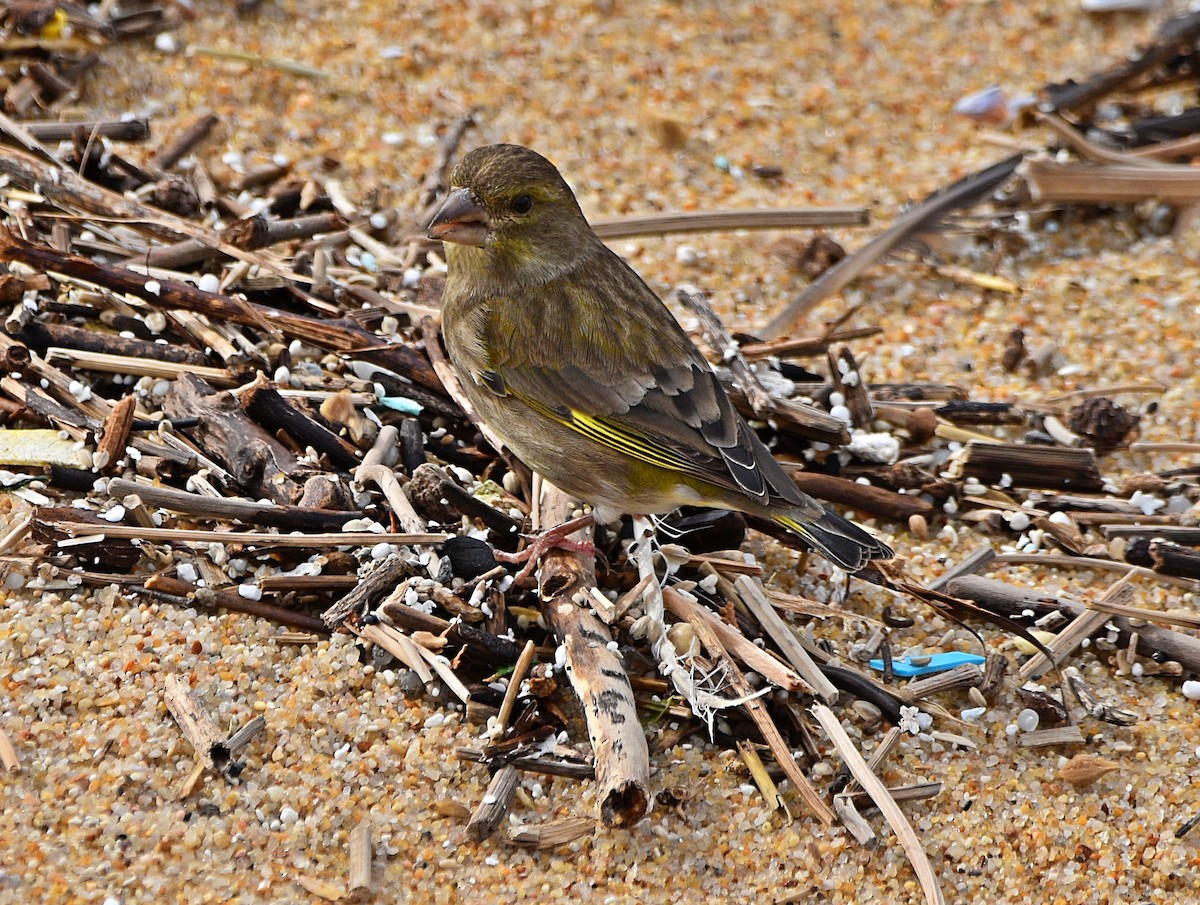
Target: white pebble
382, 551
841, 413
116, 514
186, 572
165, 42
154, 287
209, 282
288, 815
688, 255
1028, 720
1191, 690
973, 713
1018, 521
250, 591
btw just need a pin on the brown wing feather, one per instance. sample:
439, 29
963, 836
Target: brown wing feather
639, 372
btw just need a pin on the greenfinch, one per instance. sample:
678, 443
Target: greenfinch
574, 362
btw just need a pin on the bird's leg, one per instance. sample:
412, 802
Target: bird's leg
556, 538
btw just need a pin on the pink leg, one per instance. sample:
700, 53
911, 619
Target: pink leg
556, 538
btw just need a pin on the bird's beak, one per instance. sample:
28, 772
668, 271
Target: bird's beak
461, 219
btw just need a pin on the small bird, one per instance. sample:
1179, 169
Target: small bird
574, 362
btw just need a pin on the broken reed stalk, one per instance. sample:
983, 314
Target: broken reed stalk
196, 505
1052, 182
883, 800
8, 754
868, 498
257, 538
783, 635
756, 658
196, 724
926, 215
360, 857
597, 674
231, 600
1024, 465
494, 806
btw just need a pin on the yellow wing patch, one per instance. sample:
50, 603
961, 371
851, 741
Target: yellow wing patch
618, 437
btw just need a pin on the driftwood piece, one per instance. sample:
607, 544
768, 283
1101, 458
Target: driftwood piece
868, 498
1005, 598
114, 435
597, 675
290, 518
67, 337
255, 460
196, 724
1167, 558
1023, 465
375, 585
262, 402
230, 600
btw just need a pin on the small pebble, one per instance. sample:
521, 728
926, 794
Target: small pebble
1028, 720
1191, 690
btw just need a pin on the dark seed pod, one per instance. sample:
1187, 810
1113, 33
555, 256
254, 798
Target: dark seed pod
1101, 422
469, 557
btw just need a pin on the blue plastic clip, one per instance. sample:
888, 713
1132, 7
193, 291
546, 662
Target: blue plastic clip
936, 663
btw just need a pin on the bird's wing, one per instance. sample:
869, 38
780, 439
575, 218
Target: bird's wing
635, 383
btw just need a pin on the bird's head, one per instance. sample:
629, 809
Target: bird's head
511, 204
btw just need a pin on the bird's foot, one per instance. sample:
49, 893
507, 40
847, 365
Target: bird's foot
556, 538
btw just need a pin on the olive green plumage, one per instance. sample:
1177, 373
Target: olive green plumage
585, 375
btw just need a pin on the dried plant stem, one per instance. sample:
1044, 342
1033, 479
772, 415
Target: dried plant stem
171, 535
758, 713
678, 222
883, 800
1082, 626
197, 726
783, 635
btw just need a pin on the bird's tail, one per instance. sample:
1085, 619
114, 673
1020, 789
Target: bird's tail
840, 540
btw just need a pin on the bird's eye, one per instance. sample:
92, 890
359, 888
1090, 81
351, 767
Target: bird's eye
522, 204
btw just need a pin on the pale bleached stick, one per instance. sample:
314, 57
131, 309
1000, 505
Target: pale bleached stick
8, 754
773, 670
1081, 627
360, 857
197, 726
773, 624
596, 673
883, 800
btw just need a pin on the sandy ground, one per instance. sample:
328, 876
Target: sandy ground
643, 106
